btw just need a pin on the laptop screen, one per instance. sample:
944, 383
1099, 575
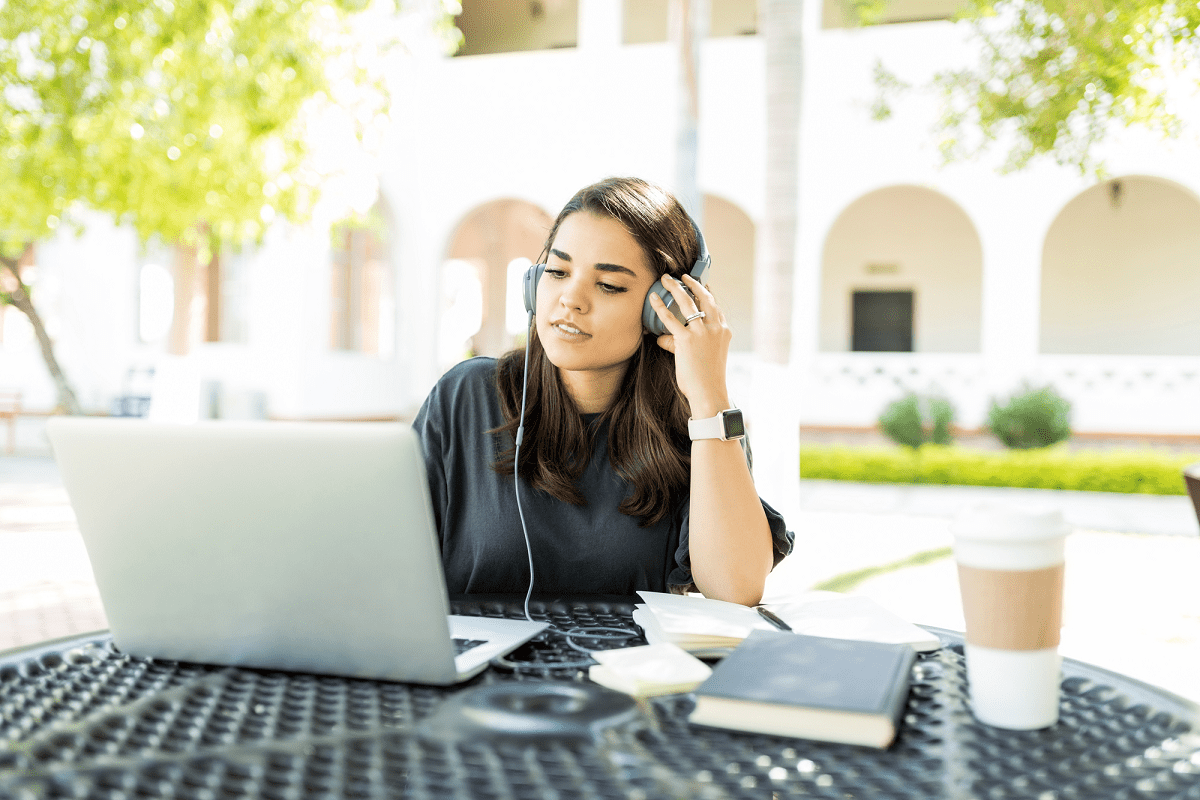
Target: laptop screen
307, 546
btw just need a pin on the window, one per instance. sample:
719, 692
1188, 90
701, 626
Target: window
509, 26
648, 20
645, 21
229, 292
156, 301
732, 18
882, 322
841, 14
363, 311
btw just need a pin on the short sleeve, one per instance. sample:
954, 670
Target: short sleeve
680, 580
430, 427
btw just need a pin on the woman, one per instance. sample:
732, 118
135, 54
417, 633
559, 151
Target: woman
614, 495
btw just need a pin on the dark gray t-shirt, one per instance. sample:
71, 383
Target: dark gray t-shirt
577, 550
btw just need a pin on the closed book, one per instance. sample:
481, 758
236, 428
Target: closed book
811, 687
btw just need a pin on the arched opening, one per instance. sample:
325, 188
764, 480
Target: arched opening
902, 270
362, 300
481, 311
1121, 271
729, 234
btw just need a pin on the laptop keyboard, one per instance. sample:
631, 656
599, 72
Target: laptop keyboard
463, 645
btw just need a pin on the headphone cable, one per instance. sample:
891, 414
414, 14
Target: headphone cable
584, 632
517, 465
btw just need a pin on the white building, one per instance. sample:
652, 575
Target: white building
981, 280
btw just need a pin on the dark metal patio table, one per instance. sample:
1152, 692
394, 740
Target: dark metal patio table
83, 721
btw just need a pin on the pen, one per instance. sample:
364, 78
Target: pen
771, 618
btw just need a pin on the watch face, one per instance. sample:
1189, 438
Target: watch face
734, 427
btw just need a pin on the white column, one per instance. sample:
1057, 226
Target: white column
601, 25
773, 420
1011, 312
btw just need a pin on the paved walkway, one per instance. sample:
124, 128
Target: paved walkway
1132, 600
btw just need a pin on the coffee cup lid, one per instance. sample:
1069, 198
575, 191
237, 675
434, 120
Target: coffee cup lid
1010, 522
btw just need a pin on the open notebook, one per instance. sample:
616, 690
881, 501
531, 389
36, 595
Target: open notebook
712, 628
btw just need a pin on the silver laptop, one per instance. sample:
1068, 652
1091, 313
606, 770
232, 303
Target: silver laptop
295, 546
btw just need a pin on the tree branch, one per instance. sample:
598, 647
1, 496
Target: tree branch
19, 298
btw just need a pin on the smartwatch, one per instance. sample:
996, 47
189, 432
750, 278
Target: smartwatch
724, 426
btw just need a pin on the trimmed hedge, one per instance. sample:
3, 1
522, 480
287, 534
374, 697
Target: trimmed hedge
1125, 471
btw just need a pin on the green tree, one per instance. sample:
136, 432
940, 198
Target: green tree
1055, 76
184, 118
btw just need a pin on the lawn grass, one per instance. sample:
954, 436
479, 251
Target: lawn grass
1125, 471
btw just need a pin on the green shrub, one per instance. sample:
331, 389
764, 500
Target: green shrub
1031, 418
1125, 471
914, 420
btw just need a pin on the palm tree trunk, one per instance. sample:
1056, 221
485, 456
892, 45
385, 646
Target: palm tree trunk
19, 298
688, 27
782, 22
776, 387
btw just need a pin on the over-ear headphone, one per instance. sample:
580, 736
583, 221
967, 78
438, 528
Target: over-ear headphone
649, 316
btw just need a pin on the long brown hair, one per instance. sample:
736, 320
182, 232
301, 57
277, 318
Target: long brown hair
648, 443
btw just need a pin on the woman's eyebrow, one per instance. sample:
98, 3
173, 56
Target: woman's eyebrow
616, 268
600, 267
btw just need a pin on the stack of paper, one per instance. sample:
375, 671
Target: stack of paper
712, 628
650, 670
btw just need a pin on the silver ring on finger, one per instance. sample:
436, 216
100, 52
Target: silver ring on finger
697, 315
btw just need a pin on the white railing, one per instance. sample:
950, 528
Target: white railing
1136, 394
854, 388
1119, 394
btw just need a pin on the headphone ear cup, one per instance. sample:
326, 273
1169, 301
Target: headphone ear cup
529, 284
699, 271
649, 316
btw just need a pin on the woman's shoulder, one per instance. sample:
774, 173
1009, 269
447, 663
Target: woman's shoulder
470, 371
472, 381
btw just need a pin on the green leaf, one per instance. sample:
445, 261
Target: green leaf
176, 116
1054, 77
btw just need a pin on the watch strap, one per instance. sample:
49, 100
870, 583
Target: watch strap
712, 427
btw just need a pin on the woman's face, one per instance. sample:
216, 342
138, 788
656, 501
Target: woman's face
589, 300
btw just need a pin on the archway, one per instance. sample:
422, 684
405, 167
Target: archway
492, 243
1121, 271
729, 234
902, 256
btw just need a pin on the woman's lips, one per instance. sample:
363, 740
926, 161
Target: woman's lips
565, 330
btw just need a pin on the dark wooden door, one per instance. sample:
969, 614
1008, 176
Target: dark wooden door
882, 322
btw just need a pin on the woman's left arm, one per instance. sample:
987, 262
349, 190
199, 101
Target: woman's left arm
729, 538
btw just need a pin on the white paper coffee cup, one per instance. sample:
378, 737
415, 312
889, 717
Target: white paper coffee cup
1010, 564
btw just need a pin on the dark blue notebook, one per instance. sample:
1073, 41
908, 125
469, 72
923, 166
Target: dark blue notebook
788, 684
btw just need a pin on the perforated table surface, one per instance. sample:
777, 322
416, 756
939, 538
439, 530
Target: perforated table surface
81, 720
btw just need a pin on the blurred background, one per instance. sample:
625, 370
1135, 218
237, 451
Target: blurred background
932, 223
311, 210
